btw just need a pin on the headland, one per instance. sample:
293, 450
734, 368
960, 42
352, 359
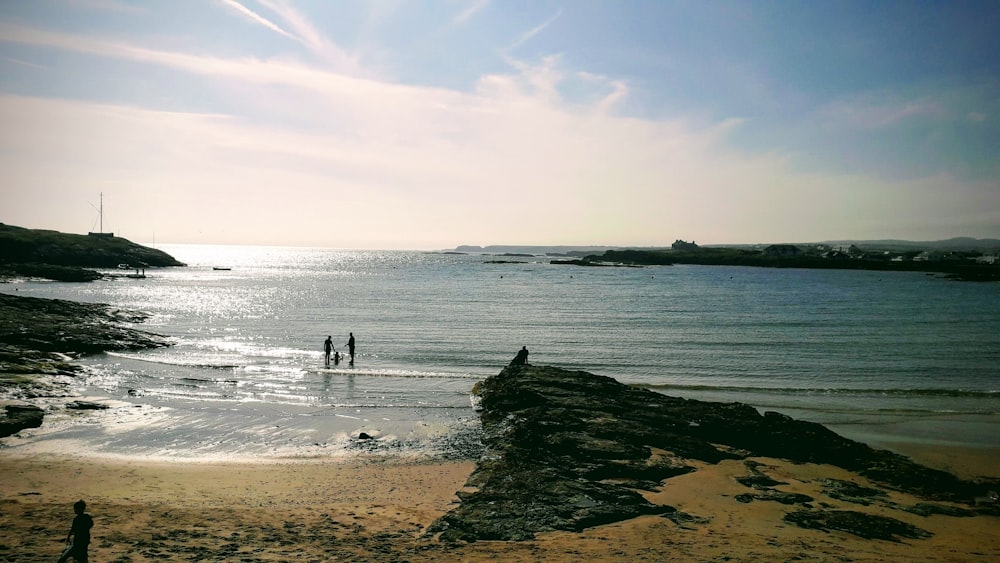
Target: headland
40, 253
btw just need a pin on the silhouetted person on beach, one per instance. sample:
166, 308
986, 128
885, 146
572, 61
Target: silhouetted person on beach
80, 532
327, 348
350, 347
521, 358
336, 357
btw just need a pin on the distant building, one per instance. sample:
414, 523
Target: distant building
836, 255
682, 245
782, 250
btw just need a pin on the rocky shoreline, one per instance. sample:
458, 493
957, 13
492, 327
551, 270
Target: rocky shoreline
39, 338
568, 450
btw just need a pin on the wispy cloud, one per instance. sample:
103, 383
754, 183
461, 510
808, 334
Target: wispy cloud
472, 9
246, 69
871, 113
328, 51
108, 6
24, 63
257, 18
528, 35
976, 116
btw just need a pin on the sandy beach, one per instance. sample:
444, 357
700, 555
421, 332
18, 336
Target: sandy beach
378, 509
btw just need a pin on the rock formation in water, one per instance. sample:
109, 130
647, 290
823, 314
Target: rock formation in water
40, 337
566, 450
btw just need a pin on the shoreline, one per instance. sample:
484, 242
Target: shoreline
379, 510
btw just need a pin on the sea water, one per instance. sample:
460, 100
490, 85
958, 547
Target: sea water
877, 356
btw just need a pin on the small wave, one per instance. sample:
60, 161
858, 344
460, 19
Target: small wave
889, 411
813, 391
293, 368
324, 408
200, 380
391, 372
175, 361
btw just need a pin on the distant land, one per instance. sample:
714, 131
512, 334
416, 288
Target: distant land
965, 244
957, 244
534, 249
40, 253
958, 258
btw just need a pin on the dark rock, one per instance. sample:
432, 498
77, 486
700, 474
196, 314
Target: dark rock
777, 496
565, 450
69, 327
19, 417
929, 508
86, 406
49, 272
758, 482
849, 491
869, 526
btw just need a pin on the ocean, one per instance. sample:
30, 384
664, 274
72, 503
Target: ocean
883, 357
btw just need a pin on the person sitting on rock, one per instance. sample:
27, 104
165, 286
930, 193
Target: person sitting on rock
521, 358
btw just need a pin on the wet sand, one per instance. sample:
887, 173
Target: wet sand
377, 510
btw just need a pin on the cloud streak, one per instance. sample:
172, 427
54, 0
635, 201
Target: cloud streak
531, 33
256, 18
308, 35
471, 10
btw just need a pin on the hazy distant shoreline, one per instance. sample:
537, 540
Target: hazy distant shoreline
955, 243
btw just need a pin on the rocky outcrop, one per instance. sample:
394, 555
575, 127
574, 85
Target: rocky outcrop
19, 417
40, 337
69, 327
49, 272
566, 450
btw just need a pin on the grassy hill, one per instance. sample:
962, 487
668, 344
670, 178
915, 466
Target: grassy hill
38, 246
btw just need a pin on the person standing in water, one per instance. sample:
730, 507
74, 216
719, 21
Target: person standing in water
350, 347
80, 532
327, 348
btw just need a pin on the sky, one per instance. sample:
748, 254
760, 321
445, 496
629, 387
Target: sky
427, 124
